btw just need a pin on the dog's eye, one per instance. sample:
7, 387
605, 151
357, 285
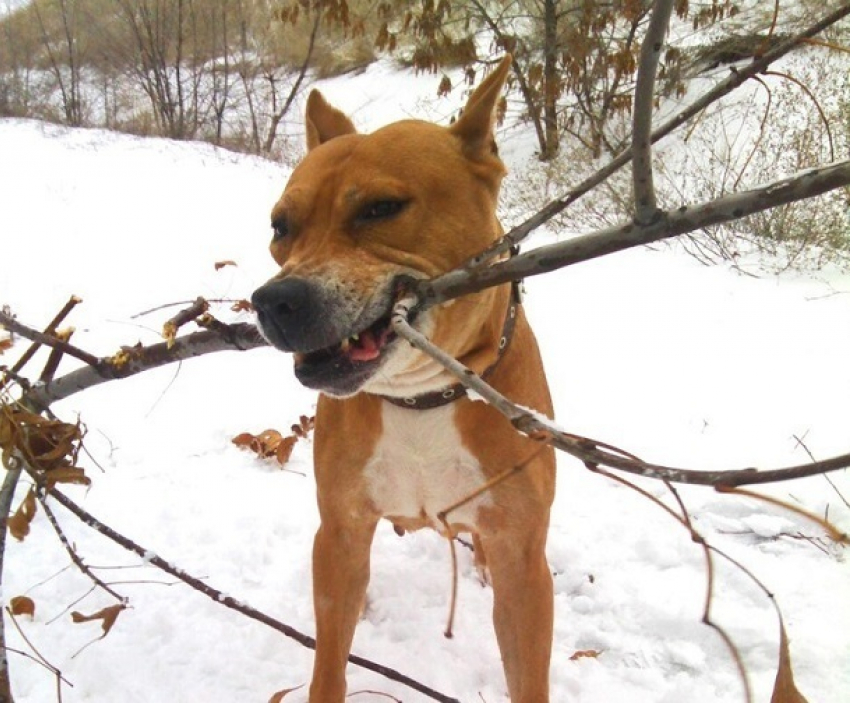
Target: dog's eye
280, 228
380, 210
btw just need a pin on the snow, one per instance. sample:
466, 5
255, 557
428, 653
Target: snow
678, 363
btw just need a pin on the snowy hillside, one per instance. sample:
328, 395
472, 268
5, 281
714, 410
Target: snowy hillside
678, 363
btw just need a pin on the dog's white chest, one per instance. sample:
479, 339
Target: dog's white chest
421, 467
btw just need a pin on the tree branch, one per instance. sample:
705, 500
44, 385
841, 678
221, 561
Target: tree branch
806, 184
43, 339
646, 209
588, 450
130, 360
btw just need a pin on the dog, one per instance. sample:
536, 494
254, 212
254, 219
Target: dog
396, 437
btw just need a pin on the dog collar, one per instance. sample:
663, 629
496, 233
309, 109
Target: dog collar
436, 399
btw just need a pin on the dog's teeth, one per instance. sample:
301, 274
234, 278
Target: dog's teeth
346, 343
355, 338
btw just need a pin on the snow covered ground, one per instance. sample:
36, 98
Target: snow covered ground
675, 362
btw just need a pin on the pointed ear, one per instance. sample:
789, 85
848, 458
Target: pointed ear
324, 122
475, 125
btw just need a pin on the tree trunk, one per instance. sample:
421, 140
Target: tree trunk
550, 80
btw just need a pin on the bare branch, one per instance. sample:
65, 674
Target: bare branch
588, 450
133, 360
806, 184
646, 208
73, 301
44, 339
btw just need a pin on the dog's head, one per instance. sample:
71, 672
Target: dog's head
361, 215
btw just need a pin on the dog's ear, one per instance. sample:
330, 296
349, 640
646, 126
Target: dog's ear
324, 122
475, 125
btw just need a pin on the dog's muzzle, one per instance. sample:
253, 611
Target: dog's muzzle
338, 345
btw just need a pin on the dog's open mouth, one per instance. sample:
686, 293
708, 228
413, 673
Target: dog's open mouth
361, 347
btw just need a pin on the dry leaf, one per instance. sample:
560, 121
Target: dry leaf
305, 426
266, 442
5, 344
68, 474
585, 654
243, 440
280, 695
219, 265
271, 444
19, 523
784, 688
22, 605
242, 306
108, 615
284, 449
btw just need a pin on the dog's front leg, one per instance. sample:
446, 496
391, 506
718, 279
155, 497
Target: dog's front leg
522, 610
340, 576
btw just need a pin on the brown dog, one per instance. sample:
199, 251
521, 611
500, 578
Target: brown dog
395, 437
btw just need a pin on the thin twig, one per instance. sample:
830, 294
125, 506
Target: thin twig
811, 456
761, 133
39, 657
708, 549
80, 564
823, 118
443, 517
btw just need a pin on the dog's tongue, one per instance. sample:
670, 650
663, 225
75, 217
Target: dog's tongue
365, 348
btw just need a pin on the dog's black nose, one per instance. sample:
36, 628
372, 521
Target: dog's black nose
281, 300
295, 314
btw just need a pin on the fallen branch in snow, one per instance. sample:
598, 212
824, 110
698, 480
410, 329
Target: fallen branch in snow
228, 601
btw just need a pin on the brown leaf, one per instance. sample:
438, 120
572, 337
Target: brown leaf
243, 440
219, 265
5, 344
280, 695
784, 688
242, 306
107, 615
19, 523
585, 654
305, 426
22, 605
267, 442
284, 449
67, 474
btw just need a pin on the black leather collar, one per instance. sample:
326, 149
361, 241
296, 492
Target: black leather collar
436, 399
